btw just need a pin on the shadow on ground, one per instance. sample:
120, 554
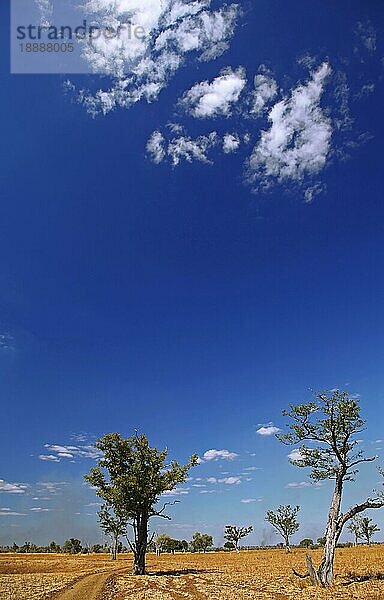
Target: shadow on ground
354, 578
179, 572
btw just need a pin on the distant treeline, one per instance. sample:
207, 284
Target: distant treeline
168, 546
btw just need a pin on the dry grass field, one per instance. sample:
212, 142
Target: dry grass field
260, 574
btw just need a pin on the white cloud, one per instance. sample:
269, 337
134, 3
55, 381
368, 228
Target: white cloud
299, 140
219, 455
368, 35
214, 99
295, 455
269, 430
38, 509
303, 484
12, 488
59, 452
176, 492
6, 341
250, 500
231, 143
7, 512
49, 457
50, 487
188, 149
155, 147
225, 480
265, 91
142, 67
208, 492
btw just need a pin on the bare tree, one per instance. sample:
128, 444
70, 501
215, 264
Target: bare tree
285, 522
329, 424
234, 534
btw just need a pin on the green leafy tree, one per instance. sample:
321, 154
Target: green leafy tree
131, 476
284, 521
113, 525
368, 529
321, 541
201, 542
307, 543
162, 543
234, 534
229, 546
326, 428
72, 546
53, 547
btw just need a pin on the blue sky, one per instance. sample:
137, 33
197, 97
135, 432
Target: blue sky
151, 280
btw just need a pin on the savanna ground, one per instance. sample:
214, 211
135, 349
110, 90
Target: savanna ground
259, 574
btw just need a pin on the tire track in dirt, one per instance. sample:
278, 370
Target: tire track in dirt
88, 587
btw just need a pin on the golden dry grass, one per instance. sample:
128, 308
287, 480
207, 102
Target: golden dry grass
260, 574
37, 576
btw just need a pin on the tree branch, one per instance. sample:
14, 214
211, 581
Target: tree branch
359, 508
159, 513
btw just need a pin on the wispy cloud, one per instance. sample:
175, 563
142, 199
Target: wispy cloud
39, 509
176, 492
57, 452
297, 143
303, 484
251, 500
367, 34
142, 68
12, 488
225, 480
6, 341
7, 512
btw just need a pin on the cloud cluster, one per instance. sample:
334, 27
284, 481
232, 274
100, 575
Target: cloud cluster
217, 98
265, 91
7, 512
298, 142
58, 452
219, 455
12, 488
225, 480
6, 341
142, 66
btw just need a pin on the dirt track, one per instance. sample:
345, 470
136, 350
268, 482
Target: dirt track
89, 587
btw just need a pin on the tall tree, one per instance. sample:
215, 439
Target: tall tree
285, 522
130, 477
368, 529
326, 428
234, 534
114, 525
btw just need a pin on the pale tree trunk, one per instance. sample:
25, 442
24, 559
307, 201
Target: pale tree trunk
237, 547
287, 545
332, 534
